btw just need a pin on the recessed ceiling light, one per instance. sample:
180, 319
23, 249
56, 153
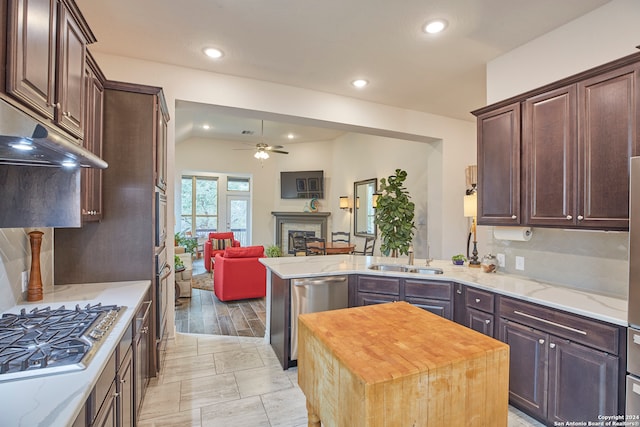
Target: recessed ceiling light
435, 26
212, 52
291, 136
360, 83
206, 127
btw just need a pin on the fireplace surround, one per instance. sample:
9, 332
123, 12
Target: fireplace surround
308, 222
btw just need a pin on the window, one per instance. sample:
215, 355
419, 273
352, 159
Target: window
237, 184
199, 205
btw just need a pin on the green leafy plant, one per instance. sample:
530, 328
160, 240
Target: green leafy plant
273, 251
394, 215
190, 243
458, 257
177, 262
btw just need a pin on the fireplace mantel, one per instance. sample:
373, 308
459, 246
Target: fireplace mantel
304, 218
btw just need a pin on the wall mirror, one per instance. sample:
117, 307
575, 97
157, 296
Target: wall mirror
363, 224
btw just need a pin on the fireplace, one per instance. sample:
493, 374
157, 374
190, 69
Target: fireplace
309, 223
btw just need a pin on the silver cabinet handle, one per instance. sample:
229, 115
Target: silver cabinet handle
548, 322
458, 291
477, 299
514, 217
569, 217
487, 321
580, 217
552, 345
541, 341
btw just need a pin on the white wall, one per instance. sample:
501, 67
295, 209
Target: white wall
595, 261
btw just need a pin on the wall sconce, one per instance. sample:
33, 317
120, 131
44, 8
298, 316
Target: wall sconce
374, 199
344, 204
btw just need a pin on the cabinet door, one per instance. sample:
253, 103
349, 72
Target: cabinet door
126, 414
608, 108
161, 149
107, 416
363, 298
570, 367
70, 80
440, 307
499, 166
549, 158
141, 355
480, 321
91, 178
31, 53
527, 367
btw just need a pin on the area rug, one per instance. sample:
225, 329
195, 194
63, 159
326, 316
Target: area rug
203, 281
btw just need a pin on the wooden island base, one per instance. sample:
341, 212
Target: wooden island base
398, 365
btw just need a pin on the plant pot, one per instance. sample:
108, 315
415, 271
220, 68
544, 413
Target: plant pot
457, 262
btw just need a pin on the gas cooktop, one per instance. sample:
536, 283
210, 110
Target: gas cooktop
46, 341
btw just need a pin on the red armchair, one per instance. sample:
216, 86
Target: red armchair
239, 274
211, 249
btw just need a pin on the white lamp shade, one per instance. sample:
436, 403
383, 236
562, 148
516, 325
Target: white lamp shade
344, 202
471, 205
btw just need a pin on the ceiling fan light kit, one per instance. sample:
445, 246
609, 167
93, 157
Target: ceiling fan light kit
263, 149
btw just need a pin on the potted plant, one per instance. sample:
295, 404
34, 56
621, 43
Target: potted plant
273, 251
177, 263
394, 215
458, 259
189, 243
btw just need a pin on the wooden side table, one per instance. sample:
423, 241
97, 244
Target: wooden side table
398, 365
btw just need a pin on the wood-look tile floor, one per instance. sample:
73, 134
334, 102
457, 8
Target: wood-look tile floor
204, 313
231, 381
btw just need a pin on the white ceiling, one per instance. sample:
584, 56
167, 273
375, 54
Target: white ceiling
324, 45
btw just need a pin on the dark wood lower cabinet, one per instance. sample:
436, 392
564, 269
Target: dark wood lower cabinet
364, 298
554, 379
582, 382
480, 321
124, 388
527, 367
107, 415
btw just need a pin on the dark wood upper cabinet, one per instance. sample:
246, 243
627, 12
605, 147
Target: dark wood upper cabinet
499, 166
31, 53
577, 137
607, 136
45, 59
549, 158
91, 179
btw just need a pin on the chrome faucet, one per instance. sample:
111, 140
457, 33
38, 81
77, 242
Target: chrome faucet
410, 255
429, 259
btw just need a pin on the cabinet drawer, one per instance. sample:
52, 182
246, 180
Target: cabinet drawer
379, 285
480, 300
426, 289
103, 386
562, 324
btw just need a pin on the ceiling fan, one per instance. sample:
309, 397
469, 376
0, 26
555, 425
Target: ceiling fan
263, 149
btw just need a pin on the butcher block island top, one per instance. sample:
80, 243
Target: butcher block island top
398, 365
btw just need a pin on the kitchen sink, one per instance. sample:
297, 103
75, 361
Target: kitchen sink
406, 268
425, 270
389, 267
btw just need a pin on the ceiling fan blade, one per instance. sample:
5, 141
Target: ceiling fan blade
273, 147
279, 151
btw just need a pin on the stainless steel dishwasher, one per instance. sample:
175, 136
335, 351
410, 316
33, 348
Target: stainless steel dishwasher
314, 294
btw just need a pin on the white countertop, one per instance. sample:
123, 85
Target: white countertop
595, 306
55, 400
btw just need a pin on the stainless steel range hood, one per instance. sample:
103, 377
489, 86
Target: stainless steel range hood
25, 141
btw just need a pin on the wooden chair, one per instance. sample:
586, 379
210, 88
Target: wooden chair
369, 244
315, 246
340, 237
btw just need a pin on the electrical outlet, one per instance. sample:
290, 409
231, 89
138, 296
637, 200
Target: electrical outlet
500, 260
519, 263
25, 280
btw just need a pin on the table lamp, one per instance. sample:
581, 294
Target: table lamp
471, 211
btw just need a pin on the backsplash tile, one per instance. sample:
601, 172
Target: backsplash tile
15, 257
595, 261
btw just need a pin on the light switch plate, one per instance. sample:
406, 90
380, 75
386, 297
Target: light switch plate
501, 262
519, 263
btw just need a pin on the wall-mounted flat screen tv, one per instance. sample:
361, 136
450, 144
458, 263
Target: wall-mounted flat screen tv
302, 185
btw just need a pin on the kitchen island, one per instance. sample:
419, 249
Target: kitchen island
57, 399
562, 338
